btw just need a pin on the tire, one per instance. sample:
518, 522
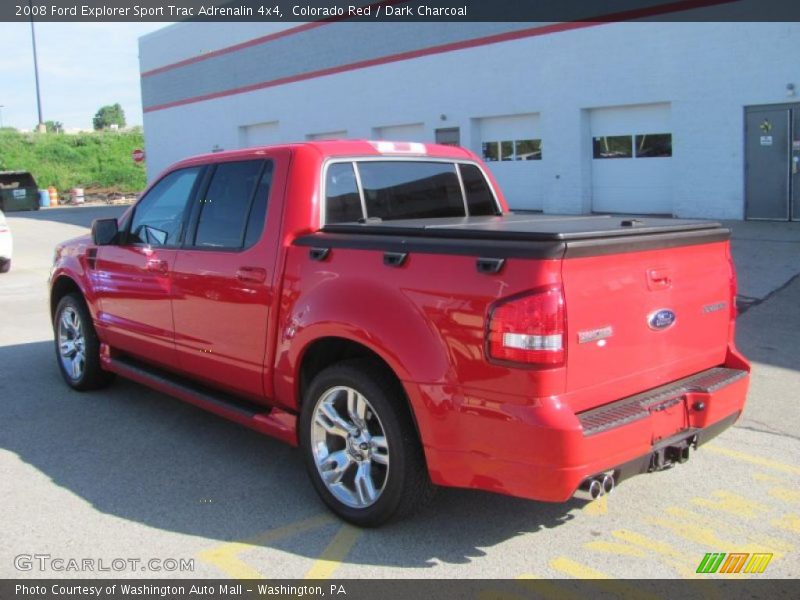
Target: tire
77, 346
5, 265
350, 454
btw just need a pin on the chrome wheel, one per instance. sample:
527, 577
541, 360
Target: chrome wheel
349, 446
71, 343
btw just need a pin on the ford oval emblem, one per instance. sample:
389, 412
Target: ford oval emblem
661, 319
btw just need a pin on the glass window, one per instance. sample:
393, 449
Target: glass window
490, 151
613, 146
653, 145
159, 215
480, 200
342, 202
449, 136
411, 189
258, 212
507, 150
225, 207
528, 150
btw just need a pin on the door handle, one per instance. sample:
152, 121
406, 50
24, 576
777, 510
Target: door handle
251, 274
156, 265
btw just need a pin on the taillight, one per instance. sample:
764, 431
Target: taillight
529, 328
733, 284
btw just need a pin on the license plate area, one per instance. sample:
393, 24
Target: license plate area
667, 417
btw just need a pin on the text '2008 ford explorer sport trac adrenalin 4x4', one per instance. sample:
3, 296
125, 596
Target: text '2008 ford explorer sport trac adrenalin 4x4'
374, 303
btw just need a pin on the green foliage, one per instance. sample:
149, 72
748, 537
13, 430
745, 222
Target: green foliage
108, 115
54, 126
90, 160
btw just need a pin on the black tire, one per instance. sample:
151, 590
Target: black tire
407, 486
5, 265
92, 376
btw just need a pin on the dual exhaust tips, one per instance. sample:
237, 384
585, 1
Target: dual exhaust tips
594, 487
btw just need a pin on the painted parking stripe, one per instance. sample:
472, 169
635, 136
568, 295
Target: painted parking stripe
335, 553
225, 556
753, 459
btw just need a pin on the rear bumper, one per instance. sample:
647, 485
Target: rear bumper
544, 451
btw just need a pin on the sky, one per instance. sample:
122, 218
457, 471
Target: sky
82, 66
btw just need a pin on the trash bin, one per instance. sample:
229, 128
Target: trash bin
18, 191
44, 198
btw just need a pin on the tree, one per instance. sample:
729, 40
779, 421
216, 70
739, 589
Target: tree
109, 115
54, 126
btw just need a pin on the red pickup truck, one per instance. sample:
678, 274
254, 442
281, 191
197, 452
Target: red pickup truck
376, 304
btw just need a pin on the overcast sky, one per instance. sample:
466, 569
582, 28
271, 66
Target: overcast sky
82, 66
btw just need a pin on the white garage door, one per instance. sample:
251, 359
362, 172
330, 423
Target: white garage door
511, 146
328, 135
259, 134
412, 132
632, 159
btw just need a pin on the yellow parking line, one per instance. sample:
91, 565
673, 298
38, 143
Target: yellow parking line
546, 589
335, 553
752, 459
597, 507
788, 522
225, 556
581, 571
671, 555
615, 548
785, 494
731, 503
576, 569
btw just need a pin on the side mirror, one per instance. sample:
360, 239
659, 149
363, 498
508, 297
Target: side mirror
104, 231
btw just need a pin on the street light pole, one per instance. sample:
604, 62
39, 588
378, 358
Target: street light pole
41, 126
2, 106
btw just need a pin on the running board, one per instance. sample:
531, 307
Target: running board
270, 421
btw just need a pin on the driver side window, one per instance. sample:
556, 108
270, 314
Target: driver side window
158, 217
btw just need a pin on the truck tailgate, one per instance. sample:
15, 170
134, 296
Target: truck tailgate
637, 320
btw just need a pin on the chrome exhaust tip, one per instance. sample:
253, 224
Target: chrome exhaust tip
591, 489
608, 483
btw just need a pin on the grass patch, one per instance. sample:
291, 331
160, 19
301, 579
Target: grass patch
98, 160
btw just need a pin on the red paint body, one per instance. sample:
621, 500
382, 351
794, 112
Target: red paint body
242, 322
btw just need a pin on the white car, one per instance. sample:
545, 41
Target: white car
6, 245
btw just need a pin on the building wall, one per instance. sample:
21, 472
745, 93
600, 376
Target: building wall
561, 87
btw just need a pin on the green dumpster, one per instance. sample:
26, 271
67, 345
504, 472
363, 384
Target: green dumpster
18, 191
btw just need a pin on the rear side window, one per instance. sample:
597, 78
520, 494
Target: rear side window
226, 204
258, 212
342, 202
411, 189
479, 196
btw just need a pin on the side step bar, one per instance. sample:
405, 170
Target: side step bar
270, 421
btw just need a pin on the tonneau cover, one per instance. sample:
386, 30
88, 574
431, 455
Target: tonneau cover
526, 227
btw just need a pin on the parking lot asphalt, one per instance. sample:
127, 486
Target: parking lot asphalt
128, 473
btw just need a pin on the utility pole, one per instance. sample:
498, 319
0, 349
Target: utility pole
41, 128
2, 106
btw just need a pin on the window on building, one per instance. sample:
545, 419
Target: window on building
449, 136
342, 201
654, 145
158, 217
491, 151
480, 200
507, 150
411, 189
613, 146
528, 150
226, 205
